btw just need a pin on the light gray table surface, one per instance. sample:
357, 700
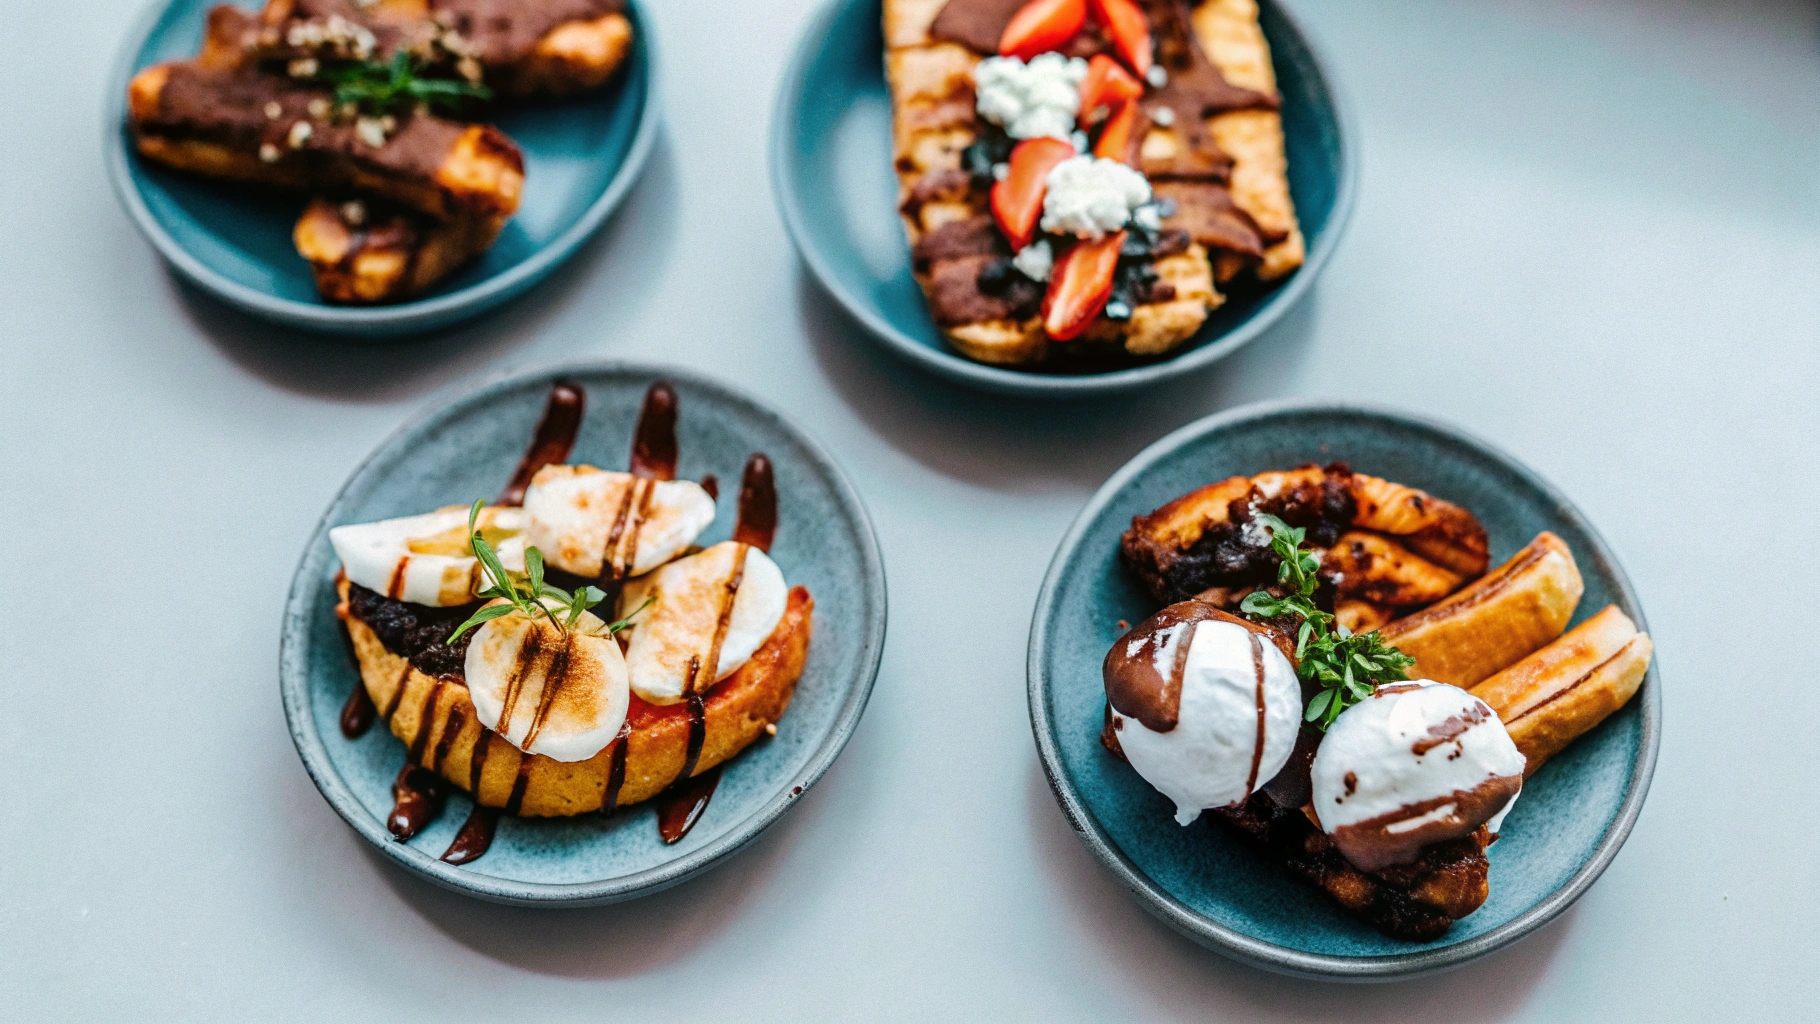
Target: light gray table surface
1587, 231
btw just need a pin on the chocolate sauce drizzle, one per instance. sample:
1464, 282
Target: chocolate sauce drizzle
475, 837
654, 440
683, 804
551, 443
757, 523
358, 713
416, 800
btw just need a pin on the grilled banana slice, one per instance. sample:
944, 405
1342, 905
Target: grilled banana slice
1504, 616
1560, 692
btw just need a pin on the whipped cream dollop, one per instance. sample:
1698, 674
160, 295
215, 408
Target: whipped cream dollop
1413, 764
709, 613
562, 693
1035, 260
1203, 707
425, 559
1091, 197
602, 523
1030, 100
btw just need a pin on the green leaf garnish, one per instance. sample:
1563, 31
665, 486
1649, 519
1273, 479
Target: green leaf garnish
1347, 666
526, 592
384, 88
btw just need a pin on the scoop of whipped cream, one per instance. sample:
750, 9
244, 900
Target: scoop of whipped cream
598, 522
1091, 196
425, 559
708, 613
559, 692
1041, 98
1204, 707
1413, 764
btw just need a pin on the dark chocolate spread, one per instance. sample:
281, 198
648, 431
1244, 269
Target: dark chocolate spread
1136, 686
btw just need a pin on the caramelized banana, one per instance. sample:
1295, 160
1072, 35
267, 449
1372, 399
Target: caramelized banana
1552, 697
1506, 615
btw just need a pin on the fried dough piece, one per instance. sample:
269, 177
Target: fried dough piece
518, 47
1560, 692
221, 116
1382, 543
435, 718
362, 254
1489, 625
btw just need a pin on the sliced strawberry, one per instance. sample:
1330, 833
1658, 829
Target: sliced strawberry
1079, 286
1115, 138
1107, 84
1017, 202
1042, 25
1130, 31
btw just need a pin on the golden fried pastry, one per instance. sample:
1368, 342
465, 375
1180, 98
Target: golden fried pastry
364, 253
220, 115
1505, 615
518, 47
1550, 698
435, 718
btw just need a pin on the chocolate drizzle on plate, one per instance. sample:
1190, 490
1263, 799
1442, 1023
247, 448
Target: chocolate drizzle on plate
475, 837
416, 800
757, 523
358, 713
681, 806
654, 440
551, 443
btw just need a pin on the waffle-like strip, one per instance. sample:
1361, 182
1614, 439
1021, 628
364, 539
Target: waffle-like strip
361, 253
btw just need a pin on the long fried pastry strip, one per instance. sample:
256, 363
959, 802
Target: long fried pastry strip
1560, 692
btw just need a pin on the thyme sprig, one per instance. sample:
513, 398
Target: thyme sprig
1347, 666
385, 88
527, 593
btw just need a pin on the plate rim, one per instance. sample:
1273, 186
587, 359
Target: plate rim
1230, 941
371, 323
313, 751
784, 122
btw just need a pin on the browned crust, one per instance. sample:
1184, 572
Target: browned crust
737, 711
387, 257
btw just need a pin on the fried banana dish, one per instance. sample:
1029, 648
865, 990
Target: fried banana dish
482, 639
372, 109
1083, 181
1339, 675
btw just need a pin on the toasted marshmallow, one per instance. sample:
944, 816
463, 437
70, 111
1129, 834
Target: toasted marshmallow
1225, 710
425, 559
674, 649
559, 693
1413, 764
595, 522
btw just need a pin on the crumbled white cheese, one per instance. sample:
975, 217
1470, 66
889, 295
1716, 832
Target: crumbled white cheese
1031, 100
274, 110
1163, 116
1090, 197
1001, 171
370, 131
1148, 217
1035, 260
299, 134
1156, 76
269, 153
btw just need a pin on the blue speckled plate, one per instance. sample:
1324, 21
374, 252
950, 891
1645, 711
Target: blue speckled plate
1574, 813
467, 449
831, 170
234, 241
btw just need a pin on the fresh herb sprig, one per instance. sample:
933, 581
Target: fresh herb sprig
380, 89
526, 592
1346, 665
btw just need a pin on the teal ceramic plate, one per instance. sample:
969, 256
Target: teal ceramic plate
1574, 813
467, 449
234, 241
831, 171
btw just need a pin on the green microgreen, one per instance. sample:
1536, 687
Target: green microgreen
384, 88
527, 593
1347, 666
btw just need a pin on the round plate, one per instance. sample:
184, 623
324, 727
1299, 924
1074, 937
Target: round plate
468, 448
1574, 813
831, 170
234, 240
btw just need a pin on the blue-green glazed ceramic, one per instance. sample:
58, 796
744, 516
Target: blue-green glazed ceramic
1573, 815
467, 449
581, 155
831, 171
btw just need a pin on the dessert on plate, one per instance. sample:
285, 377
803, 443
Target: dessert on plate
569, 648
372, 109
1083, 181
1335, 675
